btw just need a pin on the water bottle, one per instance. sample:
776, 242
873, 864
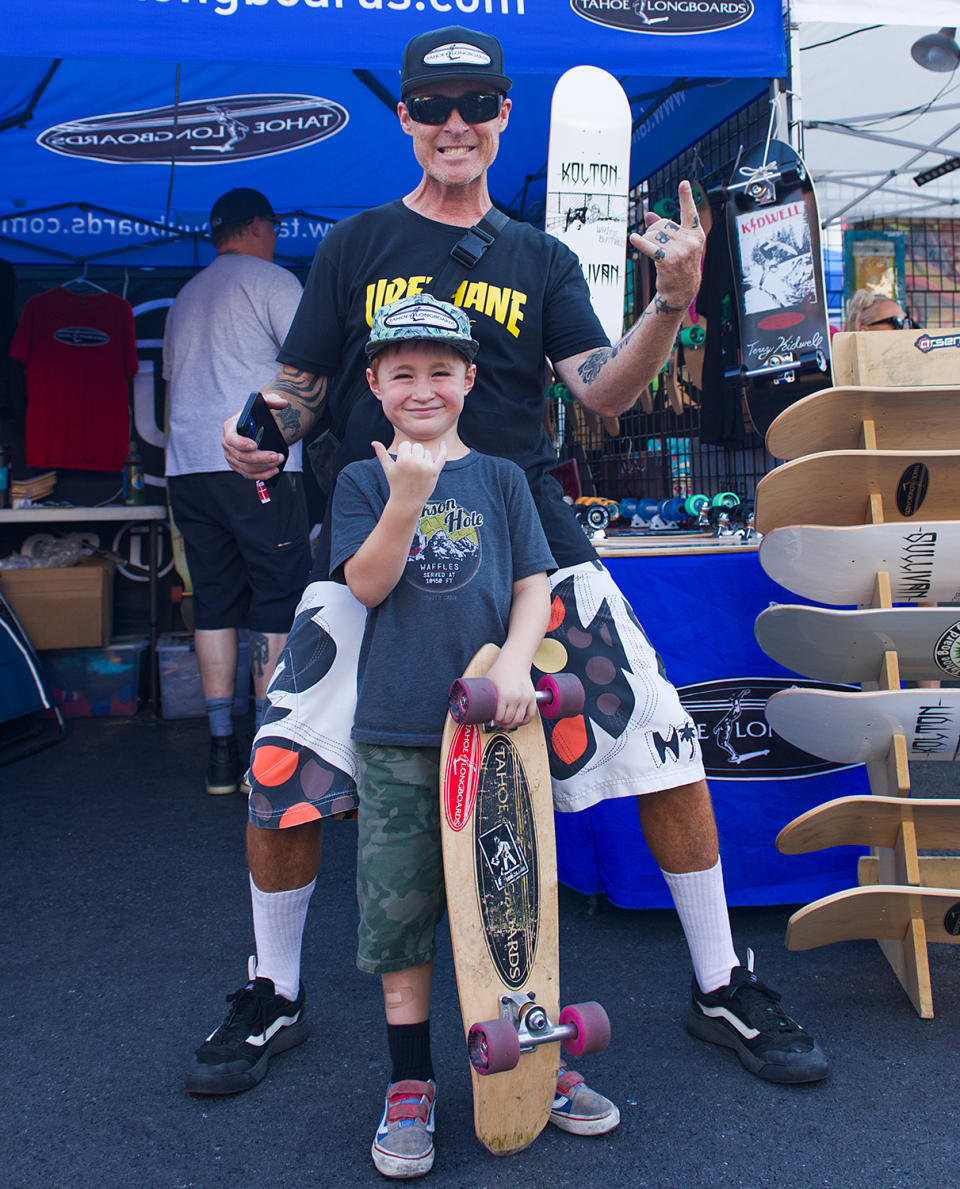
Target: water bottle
133, 491
4, 479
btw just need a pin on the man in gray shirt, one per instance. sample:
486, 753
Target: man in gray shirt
246, 545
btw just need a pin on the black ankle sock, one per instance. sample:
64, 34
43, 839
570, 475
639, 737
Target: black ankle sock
410, 1051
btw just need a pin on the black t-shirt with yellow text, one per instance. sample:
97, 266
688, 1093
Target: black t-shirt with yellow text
526, 299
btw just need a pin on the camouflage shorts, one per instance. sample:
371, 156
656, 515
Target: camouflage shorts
399, 860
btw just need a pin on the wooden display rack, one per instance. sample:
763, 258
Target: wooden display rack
904, 899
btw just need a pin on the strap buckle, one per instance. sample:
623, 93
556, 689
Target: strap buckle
468, 250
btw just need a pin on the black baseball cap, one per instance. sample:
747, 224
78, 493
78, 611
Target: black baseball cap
240, 206
452, 52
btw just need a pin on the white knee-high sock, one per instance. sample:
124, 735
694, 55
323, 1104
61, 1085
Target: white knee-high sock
278, 920
702, 907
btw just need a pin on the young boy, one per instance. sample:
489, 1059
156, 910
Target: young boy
444, 546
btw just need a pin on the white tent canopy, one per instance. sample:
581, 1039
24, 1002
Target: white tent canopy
873, 119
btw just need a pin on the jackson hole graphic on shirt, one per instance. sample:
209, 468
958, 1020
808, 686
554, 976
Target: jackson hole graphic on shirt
445, 552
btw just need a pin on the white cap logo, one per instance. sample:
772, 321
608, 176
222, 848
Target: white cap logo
422, 316
457, 53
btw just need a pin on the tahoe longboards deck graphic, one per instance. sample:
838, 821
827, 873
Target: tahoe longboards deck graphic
773, 227
840, 564
588, 182
883, 911
857, 727
846, 486
833, 419
500, 865
848, 646
873, 821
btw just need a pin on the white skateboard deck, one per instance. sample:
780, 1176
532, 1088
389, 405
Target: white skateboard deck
848, 646
854, 728
588, 181
839, 564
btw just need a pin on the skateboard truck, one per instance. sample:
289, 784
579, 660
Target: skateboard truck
474, 699
494, 1046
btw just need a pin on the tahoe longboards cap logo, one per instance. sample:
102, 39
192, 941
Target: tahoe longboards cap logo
200, 132
459, 52
422, 316
665, 16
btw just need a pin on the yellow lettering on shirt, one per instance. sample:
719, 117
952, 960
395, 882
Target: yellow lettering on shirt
503, 306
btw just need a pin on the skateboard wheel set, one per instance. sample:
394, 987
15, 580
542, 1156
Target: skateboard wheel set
494, 1046
474, 699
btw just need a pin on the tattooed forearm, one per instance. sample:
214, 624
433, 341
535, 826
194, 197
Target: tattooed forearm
662, 306
593, 364
289, 421
306, 388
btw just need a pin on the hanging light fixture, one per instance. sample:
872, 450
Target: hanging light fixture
937, 51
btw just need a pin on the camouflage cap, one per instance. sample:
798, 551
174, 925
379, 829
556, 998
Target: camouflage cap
421, 317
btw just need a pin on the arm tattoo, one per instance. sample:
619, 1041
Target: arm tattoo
592, 365
662, 306
306, 388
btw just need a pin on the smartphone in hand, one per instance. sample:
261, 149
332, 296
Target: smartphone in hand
256, 422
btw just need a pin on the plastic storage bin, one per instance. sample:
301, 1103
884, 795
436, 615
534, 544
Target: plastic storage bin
181, 695
88, 682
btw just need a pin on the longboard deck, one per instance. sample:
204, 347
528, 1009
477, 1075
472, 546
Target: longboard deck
848, 646
588, 183
873, 821
496, 800
857, 727
835, 487
881, 912
832, 419
839, 564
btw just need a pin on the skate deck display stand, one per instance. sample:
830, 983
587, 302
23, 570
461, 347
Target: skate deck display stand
873, 457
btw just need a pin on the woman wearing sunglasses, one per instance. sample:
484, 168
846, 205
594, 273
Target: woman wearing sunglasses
874, 311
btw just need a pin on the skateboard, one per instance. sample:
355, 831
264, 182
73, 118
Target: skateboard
499, 858
883, 911
851, 418
588, 181
773, 227
857, 486
839, 564
873, 821
857, 727
848, 646
897, 357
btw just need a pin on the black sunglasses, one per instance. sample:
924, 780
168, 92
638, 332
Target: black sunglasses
474, 108
896, 323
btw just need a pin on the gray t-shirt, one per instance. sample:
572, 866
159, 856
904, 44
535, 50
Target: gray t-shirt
220, 344
478, 534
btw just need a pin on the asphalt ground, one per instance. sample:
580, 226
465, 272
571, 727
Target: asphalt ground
125, 910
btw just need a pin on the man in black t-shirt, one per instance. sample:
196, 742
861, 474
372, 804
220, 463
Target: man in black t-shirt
527, 300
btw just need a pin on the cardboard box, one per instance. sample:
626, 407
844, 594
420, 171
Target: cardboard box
88, 682
181, 694
69, 607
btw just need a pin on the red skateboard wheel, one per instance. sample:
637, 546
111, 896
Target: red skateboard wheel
565, 698
494, 1046
593, 1028
473, 700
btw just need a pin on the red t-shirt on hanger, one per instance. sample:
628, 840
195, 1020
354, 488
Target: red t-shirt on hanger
79, 352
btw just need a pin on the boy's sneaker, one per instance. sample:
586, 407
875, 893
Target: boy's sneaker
579, 1109
746, 1016
259, 1025
223, 767
403, 1146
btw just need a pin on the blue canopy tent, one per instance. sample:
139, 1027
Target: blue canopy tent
121, 123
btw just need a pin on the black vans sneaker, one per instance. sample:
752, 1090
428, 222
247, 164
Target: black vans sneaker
260, 1024
223, 767
745, 1016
